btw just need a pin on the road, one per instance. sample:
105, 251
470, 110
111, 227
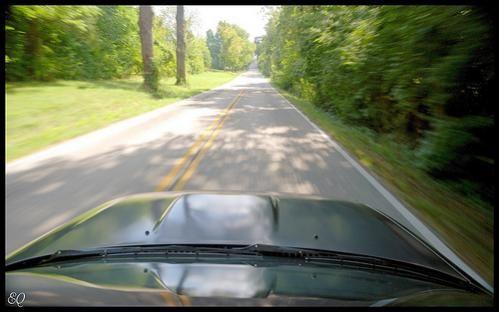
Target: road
242, 136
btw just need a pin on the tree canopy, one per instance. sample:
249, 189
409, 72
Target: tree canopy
230, 47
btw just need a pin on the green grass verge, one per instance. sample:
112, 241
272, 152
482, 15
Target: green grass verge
39, 114
464, 222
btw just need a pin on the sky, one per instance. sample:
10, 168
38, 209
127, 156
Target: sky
250, 17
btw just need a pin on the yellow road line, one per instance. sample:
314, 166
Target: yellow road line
195, 163
168, 179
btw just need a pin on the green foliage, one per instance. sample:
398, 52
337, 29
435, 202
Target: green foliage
48, 42
422, 74
198, 55
213, 43
230, 48
461, 147
89, 42
164, 46
118, 44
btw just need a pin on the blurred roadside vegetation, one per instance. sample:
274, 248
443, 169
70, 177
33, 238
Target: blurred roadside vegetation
74, 69
44, 43
91, 42
408, 90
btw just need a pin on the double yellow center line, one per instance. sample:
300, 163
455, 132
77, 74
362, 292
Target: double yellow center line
191, 159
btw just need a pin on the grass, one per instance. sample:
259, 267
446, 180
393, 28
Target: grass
39, 114
465, 222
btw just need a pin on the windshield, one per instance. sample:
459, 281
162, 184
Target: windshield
234, 277
364, 130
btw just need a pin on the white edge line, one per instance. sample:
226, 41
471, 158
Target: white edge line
425, 232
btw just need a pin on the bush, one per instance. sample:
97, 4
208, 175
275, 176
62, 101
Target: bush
460, 148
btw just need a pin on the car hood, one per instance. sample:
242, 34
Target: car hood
208, 218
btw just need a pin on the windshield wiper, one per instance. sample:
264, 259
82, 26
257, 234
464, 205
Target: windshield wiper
130, 250
313, 256
401, 268
165, 250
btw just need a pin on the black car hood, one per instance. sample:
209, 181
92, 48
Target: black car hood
204, 218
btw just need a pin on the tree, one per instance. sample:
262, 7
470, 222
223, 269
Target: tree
213, 43
198, 55
145, 23
181, 50
164, 45
235, 50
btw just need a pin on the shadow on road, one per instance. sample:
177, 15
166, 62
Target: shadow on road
264, 146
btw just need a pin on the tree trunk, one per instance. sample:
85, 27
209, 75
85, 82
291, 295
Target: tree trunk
181, 79
145, 24
32, 48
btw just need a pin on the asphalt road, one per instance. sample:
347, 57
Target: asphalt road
242, 136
